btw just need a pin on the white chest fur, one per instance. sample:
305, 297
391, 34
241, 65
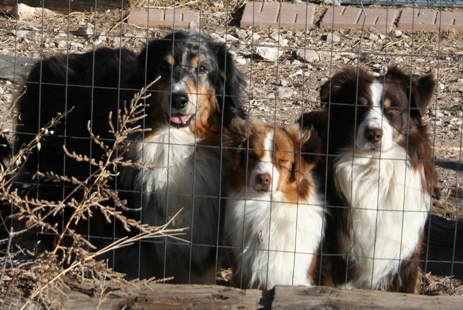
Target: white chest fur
182, 179
388, 211
273, 241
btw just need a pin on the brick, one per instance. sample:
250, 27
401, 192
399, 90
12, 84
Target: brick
356, 18
156, 17
430, 20
276, 15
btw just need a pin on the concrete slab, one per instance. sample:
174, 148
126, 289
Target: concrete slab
347, 17
14, 68
175, 18
278, 15
430, 20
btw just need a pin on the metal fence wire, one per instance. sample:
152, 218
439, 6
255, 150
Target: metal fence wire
247, 155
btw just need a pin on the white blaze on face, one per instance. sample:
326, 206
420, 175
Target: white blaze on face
265, 164
375, 119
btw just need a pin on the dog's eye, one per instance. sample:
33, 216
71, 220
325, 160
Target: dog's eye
363, 101
202, 69
252, 157
392, 111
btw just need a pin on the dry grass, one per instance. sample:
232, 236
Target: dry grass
34, 274
442, 286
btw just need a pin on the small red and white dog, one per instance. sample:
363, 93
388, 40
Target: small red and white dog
379, 176
273, 218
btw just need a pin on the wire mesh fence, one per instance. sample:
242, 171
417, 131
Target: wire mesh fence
235, 143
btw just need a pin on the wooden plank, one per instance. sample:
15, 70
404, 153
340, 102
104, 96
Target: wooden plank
84, 295
330, 298
66, 6
158, 296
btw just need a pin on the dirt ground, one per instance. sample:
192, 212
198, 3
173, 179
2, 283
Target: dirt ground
280, 89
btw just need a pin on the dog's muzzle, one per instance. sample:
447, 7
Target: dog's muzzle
179, 101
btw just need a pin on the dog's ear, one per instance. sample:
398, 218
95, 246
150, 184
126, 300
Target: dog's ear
230, 94
335, 84
423, 87
307, 146
234, 140
419, 89
311, 145
316, 121
343, 86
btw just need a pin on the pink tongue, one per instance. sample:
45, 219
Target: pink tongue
180, 118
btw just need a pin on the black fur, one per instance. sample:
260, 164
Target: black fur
93, 84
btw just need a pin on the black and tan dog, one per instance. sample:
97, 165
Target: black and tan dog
198, 93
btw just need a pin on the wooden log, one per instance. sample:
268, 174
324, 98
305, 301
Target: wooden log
296, 298
158, 296
84, 295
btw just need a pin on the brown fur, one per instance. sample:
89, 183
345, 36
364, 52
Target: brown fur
343, 97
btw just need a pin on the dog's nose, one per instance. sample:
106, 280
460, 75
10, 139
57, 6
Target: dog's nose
263, 181
178, 100
374, 135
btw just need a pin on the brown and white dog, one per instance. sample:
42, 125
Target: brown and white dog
379, 176
273, 218
198, 92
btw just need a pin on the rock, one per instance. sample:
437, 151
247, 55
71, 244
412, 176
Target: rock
84, 31
117, 42
216, 37
230, 38
76, 45
242, 35
398, 33
284, 92
240, 60
255, 37
298, 72
269, 53
373, 37
333, 2
13, 67
275, 36
268, 96
307, 55
22, 12
61, 44
20, 33
331, 37
192, 26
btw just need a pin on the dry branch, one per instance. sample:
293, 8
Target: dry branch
46, 270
